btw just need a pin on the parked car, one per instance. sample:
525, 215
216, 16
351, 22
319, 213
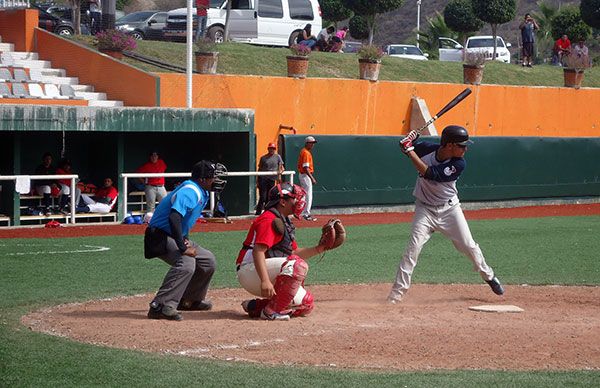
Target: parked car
143, 25
451, 50
407, 51
351, 47
274, 23
60, 24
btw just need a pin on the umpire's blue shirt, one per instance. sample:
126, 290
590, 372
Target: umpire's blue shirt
188, 199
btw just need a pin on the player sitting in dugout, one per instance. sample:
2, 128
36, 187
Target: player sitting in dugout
270, 264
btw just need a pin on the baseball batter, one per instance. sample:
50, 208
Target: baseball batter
437, 207
270, 264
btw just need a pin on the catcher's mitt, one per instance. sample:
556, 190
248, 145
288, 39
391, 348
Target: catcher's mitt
333, 234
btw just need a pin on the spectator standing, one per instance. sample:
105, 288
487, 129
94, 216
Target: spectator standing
528, 28
202, 13
562, 47
102, 201
45, 187
96, 15
271, 161
306, 37
306, 178
167, 237
154, 187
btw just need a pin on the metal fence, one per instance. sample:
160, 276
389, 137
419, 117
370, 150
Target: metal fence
14, 4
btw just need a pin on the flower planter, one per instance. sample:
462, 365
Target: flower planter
369, 69
113, 53
472, 74
297, 66
206, 63
573, 77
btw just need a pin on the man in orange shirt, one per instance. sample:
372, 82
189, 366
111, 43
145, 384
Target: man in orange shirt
155, 187
306, 178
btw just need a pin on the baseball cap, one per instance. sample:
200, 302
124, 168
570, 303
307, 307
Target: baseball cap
310, 139
272, 145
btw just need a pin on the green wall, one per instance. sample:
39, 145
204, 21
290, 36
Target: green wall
371, 170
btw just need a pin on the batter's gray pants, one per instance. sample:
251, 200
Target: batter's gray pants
188, 278
450, 221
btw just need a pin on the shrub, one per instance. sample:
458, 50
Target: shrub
300, 50
205, 45
576, 62
114, 40
474, 58
370, 53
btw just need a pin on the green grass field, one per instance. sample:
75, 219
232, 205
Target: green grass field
554, 250
246, 59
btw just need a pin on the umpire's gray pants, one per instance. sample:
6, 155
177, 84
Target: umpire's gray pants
188, 278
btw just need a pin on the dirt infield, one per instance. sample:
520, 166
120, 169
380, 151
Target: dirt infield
352, 326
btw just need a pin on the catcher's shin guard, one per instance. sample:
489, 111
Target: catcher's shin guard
306, 304
287, 283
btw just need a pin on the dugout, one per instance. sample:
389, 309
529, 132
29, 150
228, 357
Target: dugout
105, 142
371, 170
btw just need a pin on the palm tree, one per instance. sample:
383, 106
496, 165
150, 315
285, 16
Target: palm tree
437, 28
545, 42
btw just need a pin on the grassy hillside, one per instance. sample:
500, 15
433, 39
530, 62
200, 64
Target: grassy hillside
237, 58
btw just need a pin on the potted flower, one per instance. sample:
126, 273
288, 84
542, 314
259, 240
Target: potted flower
297, 63
207, 56
114, 42
573, 68
473, 64
369, 62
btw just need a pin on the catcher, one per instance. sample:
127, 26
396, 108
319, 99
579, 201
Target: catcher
270, 264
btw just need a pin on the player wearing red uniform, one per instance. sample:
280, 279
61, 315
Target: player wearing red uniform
270, 264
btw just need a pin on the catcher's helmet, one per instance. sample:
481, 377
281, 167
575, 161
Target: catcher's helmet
455, 134
287, 190
206, 169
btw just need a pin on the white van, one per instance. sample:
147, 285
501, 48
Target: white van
268, 22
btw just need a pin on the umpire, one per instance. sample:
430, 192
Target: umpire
192, 267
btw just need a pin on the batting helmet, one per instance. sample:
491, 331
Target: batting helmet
206, 169
287, 190
137, 220
455, 134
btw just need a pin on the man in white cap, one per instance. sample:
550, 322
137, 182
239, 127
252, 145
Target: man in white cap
271, 161
306, 169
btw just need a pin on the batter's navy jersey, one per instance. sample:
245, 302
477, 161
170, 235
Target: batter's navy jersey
188, 199
438, 185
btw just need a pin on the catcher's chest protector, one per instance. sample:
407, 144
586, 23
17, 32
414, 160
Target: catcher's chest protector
284, 247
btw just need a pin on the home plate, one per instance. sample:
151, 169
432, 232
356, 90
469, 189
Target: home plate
497, 308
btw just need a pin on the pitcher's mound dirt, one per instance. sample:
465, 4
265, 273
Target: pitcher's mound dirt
352, 327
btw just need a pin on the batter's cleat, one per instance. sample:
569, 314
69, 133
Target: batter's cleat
186, 305
274, 316
158, 311
496, 286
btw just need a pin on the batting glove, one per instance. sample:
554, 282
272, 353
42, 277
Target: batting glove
412, 135
406, 145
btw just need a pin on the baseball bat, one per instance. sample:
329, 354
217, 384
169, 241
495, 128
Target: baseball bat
455, 101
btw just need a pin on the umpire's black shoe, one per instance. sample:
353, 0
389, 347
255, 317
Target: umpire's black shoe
158, 311
186, 305
496, 286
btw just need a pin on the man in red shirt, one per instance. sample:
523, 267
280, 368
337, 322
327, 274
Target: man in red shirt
270, 264
201, 11
155, 187
562, 47
102, 201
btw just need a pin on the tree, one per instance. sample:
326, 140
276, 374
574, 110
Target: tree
369, 9
590, 12
334, 10
429, 40
359, 29
544, 17
495, 12
569, 22
459, 17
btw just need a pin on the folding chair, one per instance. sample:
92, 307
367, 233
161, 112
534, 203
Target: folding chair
5, 74
20, 75
53, 92
36, 91
5, 91
20, 90
68, 91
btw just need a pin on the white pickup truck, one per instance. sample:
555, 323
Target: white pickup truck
451, 50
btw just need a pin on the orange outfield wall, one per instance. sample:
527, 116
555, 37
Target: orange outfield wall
355, 107
117, 79
16, 26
